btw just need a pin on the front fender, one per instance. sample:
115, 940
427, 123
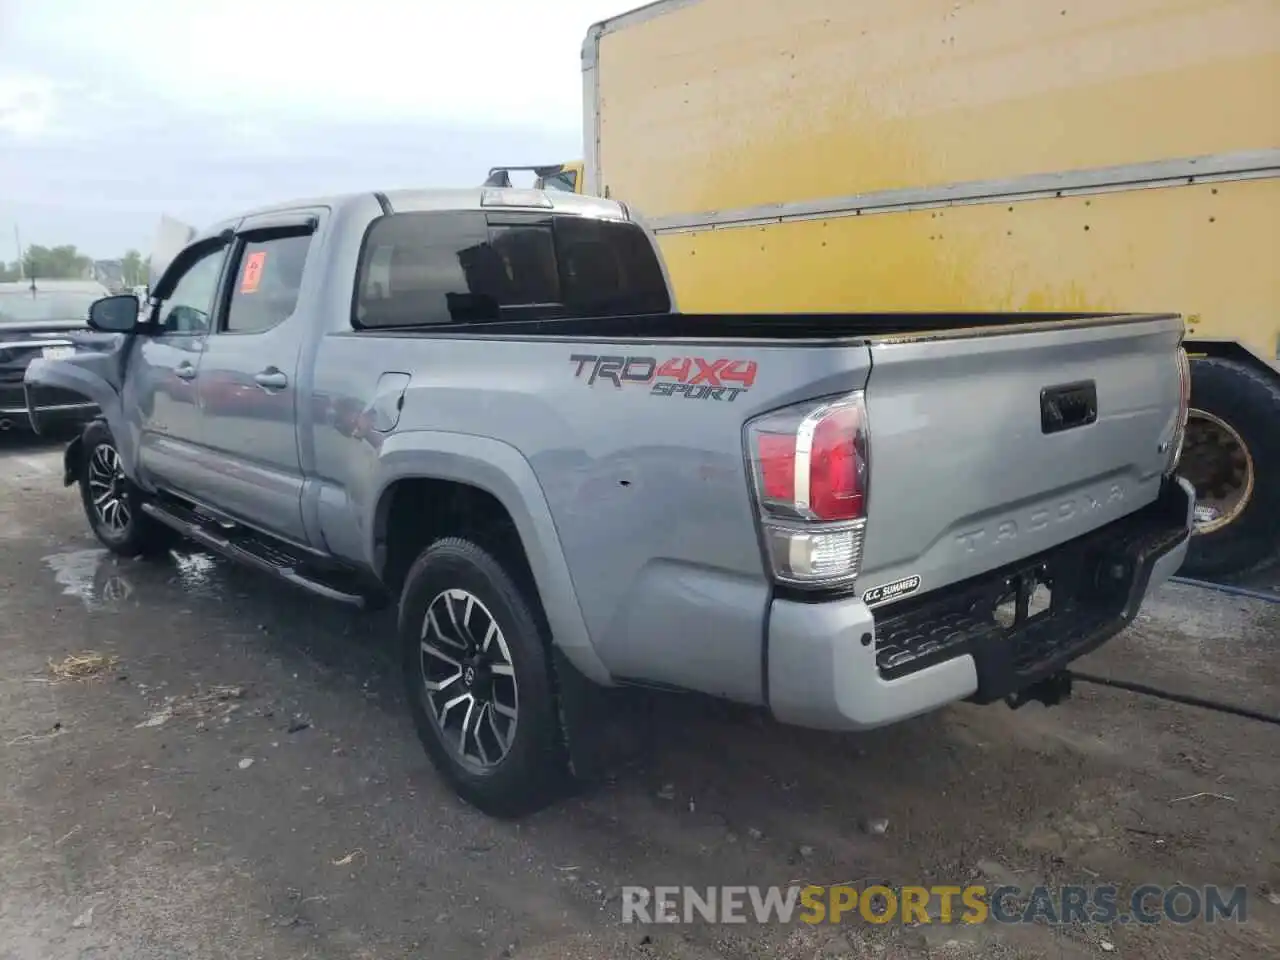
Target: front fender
96, 376
501, 471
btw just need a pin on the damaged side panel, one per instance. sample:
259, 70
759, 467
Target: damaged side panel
98, 376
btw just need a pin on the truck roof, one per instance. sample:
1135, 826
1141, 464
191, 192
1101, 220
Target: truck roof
489, 198
454, 199
628, 18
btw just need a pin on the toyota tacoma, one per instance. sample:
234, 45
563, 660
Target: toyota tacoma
484, 406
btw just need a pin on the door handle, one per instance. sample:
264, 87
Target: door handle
1068, 406
185, 371
271, 379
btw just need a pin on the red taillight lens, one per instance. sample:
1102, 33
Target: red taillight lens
835, 484
809, 465
777, 459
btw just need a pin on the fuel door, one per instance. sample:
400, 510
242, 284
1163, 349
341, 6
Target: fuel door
388, 401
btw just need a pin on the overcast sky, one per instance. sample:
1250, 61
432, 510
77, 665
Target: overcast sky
112, 113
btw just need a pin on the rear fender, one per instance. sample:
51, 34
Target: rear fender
501, 471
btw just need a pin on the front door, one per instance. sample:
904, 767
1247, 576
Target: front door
248, 383
161, 385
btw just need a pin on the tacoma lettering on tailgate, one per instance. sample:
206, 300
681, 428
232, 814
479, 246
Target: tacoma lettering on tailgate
693, 378
1067, 511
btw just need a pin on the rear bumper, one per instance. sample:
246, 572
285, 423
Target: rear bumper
42, 408
834, 665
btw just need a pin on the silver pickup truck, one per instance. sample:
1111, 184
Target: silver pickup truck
483, 405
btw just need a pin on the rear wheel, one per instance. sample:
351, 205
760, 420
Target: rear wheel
1232, 457
478, 679
112, 503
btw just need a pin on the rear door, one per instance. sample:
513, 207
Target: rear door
990, 447
248, 378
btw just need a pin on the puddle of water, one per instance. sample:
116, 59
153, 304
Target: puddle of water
90, 576
196, 573
94, 576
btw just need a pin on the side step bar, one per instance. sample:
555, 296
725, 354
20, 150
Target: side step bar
246, 550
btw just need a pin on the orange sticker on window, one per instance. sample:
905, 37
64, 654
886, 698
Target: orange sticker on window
252, 274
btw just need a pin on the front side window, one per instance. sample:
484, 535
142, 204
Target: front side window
187, 309
438, 268
268, 279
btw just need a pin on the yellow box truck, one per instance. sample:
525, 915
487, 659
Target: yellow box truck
917, 155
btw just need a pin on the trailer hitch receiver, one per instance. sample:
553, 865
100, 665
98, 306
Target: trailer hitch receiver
1050, 691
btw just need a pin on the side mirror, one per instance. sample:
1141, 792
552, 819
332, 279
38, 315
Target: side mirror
118, 314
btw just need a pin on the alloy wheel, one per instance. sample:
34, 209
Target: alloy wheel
469, 678
107, 489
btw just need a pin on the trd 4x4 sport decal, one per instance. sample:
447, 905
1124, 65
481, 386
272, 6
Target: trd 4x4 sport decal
694, 378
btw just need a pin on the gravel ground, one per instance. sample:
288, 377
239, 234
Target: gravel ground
242, 781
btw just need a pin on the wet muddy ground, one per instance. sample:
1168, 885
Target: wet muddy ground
242, 781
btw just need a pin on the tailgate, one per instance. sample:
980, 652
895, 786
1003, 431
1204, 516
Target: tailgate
984, 449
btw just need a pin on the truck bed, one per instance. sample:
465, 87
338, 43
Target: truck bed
814, 327
640, 451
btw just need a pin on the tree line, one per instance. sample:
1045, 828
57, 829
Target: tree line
65, 262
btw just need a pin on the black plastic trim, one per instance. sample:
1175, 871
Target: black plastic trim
1098, 582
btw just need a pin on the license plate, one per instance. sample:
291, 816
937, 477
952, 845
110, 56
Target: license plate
57, 353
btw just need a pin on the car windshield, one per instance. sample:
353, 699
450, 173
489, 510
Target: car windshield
22, 307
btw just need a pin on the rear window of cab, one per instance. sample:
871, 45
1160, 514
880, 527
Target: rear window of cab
435, 268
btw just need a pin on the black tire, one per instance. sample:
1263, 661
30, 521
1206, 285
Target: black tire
1248, 400
532, 772
139, 535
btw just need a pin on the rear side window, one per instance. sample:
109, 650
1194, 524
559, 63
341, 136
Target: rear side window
440, 268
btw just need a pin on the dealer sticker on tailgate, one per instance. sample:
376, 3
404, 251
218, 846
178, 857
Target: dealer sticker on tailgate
891, 591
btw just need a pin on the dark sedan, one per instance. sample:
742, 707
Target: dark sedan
43, 318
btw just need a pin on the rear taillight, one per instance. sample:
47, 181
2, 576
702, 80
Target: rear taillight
809, 468
1184, 406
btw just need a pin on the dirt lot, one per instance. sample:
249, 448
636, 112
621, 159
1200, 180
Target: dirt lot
242, 782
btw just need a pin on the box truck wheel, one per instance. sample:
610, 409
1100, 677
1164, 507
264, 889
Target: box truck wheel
1232, 457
